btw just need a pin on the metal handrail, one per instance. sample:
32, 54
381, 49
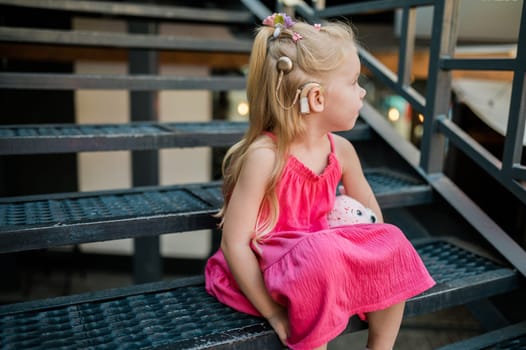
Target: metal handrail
438, 129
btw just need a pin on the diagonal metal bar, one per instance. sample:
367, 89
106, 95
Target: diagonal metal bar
257, 8
387, 77
370, 6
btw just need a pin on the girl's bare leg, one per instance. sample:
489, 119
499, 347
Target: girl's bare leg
323, 347
384, 326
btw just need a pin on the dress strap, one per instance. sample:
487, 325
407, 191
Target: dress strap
270, 134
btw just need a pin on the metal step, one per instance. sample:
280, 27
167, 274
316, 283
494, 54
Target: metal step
122, 40
508, 338
139, 82
64, 138
179, 314
43, 221
136, 10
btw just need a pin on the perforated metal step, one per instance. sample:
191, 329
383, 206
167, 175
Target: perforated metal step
130, 9
63, 138
508, 338
121, 40
181, 315
143, 82
45, 221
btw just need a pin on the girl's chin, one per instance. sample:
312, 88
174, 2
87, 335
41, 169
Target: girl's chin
350, 125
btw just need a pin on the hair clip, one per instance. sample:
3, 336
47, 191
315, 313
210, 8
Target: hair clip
277, 21
296, 37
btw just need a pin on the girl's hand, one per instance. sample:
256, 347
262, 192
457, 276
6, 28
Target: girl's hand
280, 323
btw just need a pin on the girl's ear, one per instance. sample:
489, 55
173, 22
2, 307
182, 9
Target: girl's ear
316, 99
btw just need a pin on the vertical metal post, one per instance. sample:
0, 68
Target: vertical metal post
513, 142
319, 4
438, 94
407, 46
147, 265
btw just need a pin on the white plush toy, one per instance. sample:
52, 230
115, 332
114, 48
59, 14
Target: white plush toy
348, 211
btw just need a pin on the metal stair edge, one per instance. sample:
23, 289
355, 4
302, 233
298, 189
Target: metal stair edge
129, 9
500, 337
66, 138
123, 40
44, 221
139, 82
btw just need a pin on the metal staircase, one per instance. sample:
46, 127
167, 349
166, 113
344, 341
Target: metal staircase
179, 314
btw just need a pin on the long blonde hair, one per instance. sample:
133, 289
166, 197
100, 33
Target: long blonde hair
317, 53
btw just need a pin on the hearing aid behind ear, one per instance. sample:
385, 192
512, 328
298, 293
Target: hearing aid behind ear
304, 102
285, 66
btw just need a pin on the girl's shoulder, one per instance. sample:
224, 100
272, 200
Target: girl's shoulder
262, 151
345, 152
342, 146
265, 142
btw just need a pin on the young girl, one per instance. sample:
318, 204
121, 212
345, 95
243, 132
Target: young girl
278, 257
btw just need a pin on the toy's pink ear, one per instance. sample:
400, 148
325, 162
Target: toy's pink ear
341, 189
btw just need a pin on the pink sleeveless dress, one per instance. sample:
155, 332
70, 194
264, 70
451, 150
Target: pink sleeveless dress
323, 275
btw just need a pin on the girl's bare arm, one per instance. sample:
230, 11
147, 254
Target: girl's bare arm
353, 178
239, 223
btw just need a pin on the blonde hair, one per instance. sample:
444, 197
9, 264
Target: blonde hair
319, 52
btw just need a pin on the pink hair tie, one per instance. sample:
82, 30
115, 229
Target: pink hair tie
296, 36
317, 26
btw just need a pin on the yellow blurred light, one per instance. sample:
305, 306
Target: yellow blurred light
242, 108
418, 131
420, 117
393, 114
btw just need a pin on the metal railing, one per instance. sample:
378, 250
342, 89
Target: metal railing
438, 128
439, 131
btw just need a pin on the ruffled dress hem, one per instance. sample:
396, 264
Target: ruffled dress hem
361, 313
